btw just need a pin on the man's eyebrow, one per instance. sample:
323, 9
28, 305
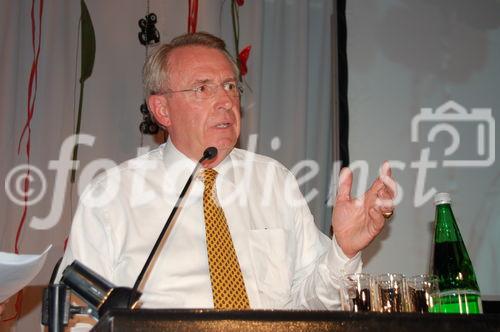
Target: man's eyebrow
202, 81
230, 79
207, 80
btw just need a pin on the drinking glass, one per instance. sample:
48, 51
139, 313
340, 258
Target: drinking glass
390, 292
357, 292
422, 293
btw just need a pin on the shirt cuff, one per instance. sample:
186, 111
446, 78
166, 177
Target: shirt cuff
339, 264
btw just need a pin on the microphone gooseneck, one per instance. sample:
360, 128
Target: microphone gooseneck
208, 154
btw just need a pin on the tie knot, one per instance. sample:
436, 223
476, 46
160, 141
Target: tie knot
209, 176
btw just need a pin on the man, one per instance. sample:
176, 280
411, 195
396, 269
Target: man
276, 257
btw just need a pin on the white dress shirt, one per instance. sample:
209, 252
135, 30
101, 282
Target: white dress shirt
286, 262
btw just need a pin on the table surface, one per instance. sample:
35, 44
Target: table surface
279, 320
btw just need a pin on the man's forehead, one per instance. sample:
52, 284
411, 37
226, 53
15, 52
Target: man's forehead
196, 55
190, 64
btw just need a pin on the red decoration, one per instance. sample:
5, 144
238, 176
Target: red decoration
240, 2
243, 58
30, 110
192, 16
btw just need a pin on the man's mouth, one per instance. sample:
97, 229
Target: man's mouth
223, 125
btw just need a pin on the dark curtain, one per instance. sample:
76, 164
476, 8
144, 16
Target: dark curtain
342, 83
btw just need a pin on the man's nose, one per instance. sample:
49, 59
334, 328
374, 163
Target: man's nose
223, 98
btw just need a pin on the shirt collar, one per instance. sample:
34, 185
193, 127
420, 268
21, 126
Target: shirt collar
183, 165
225, 169
174, 158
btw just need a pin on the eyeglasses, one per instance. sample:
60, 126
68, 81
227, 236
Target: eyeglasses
208, 90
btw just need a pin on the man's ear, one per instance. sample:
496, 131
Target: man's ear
157, 105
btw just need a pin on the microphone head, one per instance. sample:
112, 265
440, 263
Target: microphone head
209, 153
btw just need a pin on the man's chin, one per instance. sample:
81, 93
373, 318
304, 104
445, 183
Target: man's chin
224, 145
222, 151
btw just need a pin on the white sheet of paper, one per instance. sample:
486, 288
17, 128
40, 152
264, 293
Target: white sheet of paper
17, 271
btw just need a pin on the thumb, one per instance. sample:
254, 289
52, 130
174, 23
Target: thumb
345, 184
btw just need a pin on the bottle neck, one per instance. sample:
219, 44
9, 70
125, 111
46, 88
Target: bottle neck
446, 226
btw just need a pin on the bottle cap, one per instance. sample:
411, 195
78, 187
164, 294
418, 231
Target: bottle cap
442, 198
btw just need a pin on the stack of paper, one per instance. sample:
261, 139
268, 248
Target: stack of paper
17, 271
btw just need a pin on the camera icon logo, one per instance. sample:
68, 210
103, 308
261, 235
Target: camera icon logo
449, 118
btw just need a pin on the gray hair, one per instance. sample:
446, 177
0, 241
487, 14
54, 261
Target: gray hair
155, 73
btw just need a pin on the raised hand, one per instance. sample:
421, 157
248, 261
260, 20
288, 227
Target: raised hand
357, 221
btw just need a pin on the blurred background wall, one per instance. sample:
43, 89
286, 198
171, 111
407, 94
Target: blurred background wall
404, 56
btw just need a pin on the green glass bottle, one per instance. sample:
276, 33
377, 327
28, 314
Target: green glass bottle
459, 291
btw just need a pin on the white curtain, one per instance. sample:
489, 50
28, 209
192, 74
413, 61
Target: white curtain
288, 98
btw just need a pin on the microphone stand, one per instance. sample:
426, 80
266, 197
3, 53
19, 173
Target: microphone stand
208, 154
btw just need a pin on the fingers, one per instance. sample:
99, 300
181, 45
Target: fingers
387, 180
385, 187
386, 168
345, 184
378, 221
384, 200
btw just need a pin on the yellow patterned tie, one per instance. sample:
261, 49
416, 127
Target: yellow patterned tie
228, 286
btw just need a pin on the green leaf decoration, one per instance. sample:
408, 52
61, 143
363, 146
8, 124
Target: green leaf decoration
88, 43
87, 62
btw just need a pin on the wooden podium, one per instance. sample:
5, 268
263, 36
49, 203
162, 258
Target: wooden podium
277, 321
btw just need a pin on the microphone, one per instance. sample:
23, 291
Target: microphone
209, 154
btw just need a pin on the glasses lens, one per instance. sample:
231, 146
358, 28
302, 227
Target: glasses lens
206, 91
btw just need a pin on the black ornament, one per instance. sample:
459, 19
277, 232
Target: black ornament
148, 126
149, 34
